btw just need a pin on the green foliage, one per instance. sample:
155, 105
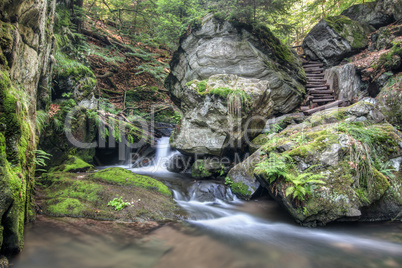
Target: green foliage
118, 203
276, 166
41, 120
302, 184
40, 159
228, 181
73, 164
125, 177
281, 166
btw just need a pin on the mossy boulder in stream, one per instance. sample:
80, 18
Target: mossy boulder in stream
98, 195
335, 166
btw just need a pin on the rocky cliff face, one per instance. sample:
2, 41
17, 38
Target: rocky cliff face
25, 64
241, 57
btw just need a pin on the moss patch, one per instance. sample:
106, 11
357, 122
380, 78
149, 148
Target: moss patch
350, 30
16, 165
121, 176
88, 195
73, 164
240, 189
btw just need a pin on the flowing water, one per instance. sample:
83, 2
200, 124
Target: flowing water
221, 232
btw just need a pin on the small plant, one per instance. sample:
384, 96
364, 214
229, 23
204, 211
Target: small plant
118, 204
277, 166
40, 159
41, 119
228, 181
302, 184
67, 95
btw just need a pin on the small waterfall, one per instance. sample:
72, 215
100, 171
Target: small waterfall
162, 156
163, 153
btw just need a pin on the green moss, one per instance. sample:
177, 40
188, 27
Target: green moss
202, 86
87, 195
240, 189
6, 41
221, 91
67, 206
73, 164
350, 30
121, 176
363, 195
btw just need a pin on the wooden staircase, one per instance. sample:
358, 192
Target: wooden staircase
320, 96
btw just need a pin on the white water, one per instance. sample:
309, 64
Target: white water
222, 218
163, 154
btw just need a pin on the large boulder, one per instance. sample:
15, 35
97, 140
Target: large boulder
372, 13
335, 166
217, 58
345, 82
390, 101
335, 38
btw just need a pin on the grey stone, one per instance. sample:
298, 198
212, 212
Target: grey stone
371, 13
345, 82
227, 55
331, 44
397, 163
243, 175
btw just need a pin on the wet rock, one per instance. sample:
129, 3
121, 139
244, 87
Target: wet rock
335, 38
241, 178
209, 192
179, 163
327, 144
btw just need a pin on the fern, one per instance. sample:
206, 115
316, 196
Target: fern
276, 166
41, 119
40, 159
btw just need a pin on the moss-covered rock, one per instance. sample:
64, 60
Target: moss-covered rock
17, 142
209, 168
73, 164
371, 13
347, 155
390, 101
121, 176
89, 195
335, 38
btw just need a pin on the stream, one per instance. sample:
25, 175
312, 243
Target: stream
221, 231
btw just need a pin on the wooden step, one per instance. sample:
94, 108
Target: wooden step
315, 72
314, 69
321, 95
317, 88
313, 92
311, 62
311, 80
323, 100
314, 75
313, 65
324, 107
315, 97
304, 108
